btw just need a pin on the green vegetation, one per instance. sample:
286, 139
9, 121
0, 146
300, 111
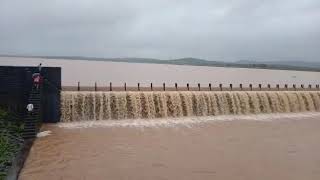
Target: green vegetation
10, 140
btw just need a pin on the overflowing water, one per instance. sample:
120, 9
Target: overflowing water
78, 106
267, 132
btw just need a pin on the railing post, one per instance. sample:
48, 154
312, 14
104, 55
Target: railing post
199, 87
210, 86
188, 87
317, 86
164, 86
138, 86
95, 86
250, 85
310, 86
125, 86
286, 86
294, 87
220, 85
269, 87
260, 87
110, 86
240, 87
302, 86
78, 85
230, 87
176, 85
151, 87
278, 87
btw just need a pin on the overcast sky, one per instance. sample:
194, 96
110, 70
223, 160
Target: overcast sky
212, 29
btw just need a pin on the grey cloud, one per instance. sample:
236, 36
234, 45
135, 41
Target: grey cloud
210, 29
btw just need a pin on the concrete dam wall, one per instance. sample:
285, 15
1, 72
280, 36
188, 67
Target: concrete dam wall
79, 106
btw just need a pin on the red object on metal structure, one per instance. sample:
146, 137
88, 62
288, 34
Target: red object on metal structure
37, 79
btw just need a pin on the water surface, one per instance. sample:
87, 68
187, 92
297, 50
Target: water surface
89, 72
285, 148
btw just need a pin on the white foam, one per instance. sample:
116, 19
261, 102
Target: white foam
44, 134
186, 121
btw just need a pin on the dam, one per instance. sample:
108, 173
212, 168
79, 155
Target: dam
81, 106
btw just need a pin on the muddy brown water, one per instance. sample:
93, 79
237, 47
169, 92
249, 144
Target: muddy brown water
89, 72
286, 148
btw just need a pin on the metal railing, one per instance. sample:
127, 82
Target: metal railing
199, 87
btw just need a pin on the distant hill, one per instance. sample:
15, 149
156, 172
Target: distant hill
306, 64
278, 65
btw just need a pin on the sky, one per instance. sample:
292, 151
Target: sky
225, 30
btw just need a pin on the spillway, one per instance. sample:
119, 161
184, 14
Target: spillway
81, 105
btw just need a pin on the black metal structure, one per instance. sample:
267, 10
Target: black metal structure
16, 91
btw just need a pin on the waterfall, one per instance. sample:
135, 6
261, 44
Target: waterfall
77, 106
